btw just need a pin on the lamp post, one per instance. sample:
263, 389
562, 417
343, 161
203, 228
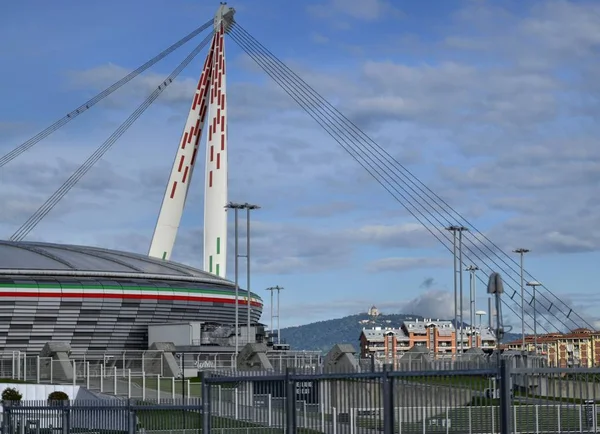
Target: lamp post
533, 285
458, 278
472, 269
235, 207
521, 251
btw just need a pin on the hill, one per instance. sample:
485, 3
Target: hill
322, 335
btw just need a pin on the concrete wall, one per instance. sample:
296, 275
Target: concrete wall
557, 388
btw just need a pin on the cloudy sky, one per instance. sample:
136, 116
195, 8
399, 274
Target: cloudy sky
491, 103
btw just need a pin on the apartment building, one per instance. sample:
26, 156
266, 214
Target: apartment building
438, 336
578, 348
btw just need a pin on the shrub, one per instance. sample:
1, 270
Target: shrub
57, 398
11, 394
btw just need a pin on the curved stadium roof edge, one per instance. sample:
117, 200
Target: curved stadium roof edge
50, 259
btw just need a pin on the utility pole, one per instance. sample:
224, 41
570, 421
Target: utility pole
472, 269
521, 251
236, 207
458, 280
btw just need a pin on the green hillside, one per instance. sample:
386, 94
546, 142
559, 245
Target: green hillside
322, 335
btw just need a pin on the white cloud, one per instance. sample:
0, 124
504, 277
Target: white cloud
500, 121
401, 264
364, 10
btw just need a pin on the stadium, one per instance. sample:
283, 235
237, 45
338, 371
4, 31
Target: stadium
100, 299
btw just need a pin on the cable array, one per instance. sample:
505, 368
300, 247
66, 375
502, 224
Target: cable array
421, 202
95, 100
26, 228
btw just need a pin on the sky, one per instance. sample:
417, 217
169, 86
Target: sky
492, 104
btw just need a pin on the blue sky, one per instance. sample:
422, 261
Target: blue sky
492, 104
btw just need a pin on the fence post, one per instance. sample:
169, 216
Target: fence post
206, 412
6, 418
37, 370
290, 401
505, 402
388, 402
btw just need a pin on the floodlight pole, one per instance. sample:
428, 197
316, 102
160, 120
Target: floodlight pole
533, 285
278, 289
458, 276
521, 251
236, 207
472, 269
249, 207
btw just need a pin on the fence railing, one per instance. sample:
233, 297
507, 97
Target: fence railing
485, 401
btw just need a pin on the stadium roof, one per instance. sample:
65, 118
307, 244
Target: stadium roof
68, 259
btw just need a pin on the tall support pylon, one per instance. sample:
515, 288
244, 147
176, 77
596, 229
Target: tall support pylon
208, 112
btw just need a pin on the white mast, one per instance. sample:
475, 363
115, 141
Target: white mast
208, 105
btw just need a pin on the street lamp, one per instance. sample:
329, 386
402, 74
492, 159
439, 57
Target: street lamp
458, 265
521, 251
533, 285
472, 269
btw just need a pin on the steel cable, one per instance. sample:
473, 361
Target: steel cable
430, 199
26, 228
106, 92
372, 167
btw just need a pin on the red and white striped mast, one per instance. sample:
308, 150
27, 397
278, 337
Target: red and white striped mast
208, 112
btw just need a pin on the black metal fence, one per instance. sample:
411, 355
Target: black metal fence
475, 402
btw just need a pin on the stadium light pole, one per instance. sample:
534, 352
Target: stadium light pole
472, 269
248, 207
521, 252
235, 207
458, 279
279, 288
533, 285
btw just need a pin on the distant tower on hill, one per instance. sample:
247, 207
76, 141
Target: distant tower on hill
373, 312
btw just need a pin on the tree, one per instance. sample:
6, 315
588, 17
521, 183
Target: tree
11, 395
57, 398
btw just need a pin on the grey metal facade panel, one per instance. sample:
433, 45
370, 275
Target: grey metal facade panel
27, 323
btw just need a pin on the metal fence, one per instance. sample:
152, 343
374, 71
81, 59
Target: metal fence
519, 400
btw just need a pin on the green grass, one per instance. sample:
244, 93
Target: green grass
183, 419
478, 383
166, 386
13, 381
481, 420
